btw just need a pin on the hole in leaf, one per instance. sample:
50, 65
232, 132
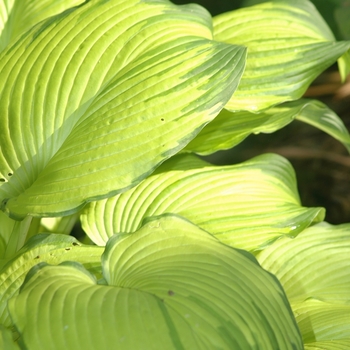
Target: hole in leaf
9, 174
2, 180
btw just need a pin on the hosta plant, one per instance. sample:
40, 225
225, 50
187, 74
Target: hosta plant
105, 109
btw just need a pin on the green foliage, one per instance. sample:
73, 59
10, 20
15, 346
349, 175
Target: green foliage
103, 108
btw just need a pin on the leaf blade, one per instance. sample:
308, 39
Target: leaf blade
288, 46
52, 249
314, 271
246, 205
77, 56
230, 128
153, 300
20, 16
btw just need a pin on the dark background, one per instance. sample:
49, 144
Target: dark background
321, 163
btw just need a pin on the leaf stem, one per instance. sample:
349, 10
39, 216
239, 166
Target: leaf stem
18, 236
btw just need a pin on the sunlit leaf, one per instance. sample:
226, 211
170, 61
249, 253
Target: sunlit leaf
342, 344
322, 321
18, 16
170, 286
321, 255
62, 225
52, 249
92, 100
289, 45
314, 269
248, 205
230, 128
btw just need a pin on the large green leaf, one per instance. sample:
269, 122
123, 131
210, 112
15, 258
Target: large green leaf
329, 345
321, 321
18, 16
248, 205
230, 128
170, 286
52, 249
6, 341
289, 45
94, 99
314, 269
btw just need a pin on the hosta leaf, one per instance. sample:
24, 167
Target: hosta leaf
322, 321
52, 249
5, 10
62, 225
170, 286
18, 16
321, 254
246, 205
92, 100
6, 341
320, 116
230, 128
314, 269
344, 65
289, 45
342, 344
6, 227
12, 235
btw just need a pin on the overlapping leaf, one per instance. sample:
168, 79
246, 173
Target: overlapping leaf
13, 235
52, 249
170, 286
92, 100
314, 269
320, 320
6, 341
6, 228
230, 128
246, 205
289, 45
18, 16
342, 344
5, 10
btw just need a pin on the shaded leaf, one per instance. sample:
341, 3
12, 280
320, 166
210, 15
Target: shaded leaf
6, 227
344, 65
62, 225
6, 341
52, 249
230, 128
170, 286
